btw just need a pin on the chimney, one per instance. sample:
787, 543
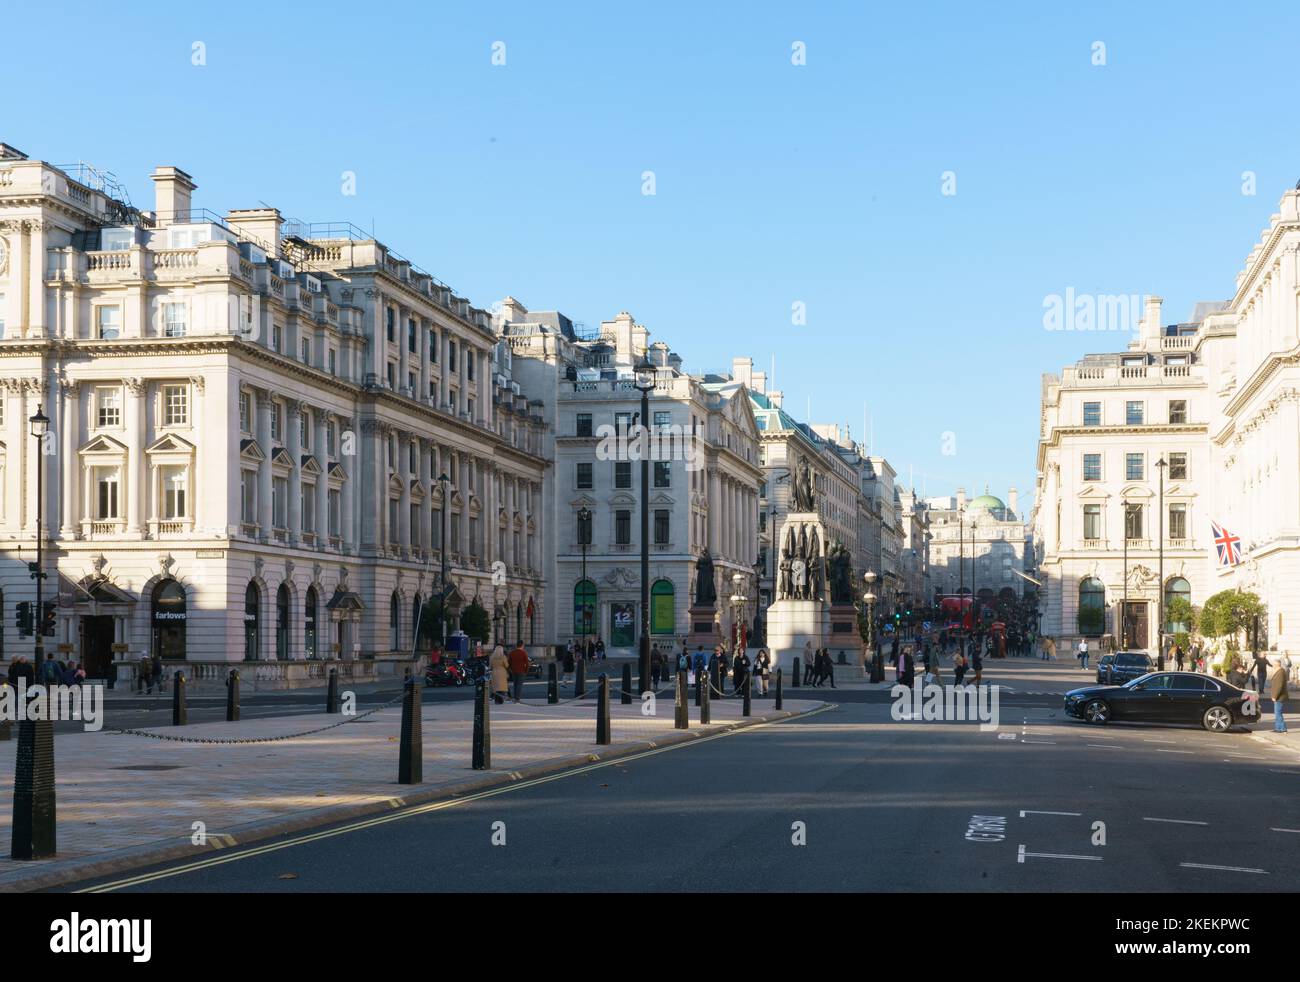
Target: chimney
961, 498
1013, 501
758, 382
172, 188
742, 370
262, 224
1151, 327
775, 398
512, 311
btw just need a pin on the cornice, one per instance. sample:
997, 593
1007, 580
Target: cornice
1265, 256
1147, 429
1267, 369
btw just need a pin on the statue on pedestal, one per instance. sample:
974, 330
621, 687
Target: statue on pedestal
840, 574
706, 593
802, 488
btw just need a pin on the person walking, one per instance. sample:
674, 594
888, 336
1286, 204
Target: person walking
1083, 653
958, 668
762, 668
977, 666
158, 676
1278, 690
146, 675
698, 662
51, 673
499, 666
809, 662
519, 664
904, 669
567, 666
739, 670
600, 649
1261, 672
656, 666
1178, 657
828, 668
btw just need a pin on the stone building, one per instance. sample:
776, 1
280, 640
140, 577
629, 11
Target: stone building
250, 420
984, 537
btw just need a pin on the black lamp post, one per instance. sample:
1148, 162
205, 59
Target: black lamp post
1123, 611
584, 539
645, 383
445, 481
1160, 546
34, 815
869, 598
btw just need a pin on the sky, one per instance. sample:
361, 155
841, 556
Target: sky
918, 186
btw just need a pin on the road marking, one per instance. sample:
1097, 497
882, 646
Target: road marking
1173, 751
431, 807
1176, 821
1006, 736
1229, 869
1285, 830
1049, 743
1021, 856
1247, 756
1024, 812
1103, 746
1158, 741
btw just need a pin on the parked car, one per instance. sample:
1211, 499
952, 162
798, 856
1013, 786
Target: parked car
1164, 697
1124, 666
1102, 668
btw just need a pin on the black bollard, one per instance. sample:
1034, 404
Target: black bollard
745, 684
6, 726
178, 700
332, 693
699, 687
580, 680
681, 717
232, 696
794, 674
482, 755
34, 804
627, 684
843, 659
704, 702
602, 710
552, 686
778, 689
410, 756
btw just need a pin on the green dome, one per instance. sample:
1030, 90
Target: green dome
989, 503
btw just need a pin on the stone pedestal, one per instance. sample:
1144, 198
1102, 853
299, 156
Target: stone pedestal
844, 636
791, 624
703, 628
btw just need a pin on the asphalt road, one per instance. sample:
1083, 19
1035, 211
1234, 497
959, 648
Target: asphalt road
884, 805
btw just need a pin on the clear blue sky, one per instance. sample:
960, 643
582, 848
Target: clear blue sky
775, 183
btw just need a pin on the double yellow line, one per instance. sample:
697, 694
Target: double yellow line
421, 810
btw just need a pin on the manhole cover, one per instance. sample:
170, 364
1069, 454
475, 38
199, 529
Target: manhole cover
148, 767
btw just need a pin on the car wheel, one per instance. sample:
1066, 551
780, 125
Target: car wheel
1096, 712
1217, 719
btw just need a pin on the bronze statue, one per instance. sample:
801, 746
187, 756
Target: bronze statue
705, 592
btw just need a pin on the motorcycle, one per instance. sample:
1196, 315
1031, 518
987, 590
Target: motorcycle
445, 673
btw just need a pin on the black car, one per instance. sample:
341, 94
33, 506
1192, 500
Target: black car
1163, 697
1123, 666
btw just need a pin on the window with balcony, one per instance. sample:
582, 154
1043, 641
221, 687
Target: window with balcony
1178, 466
1133, 522
1092, 467
623, 527
1134, 466
176, 405
107, 480
1178, 410
1133, 413
175, 484
1178, 521
108, 323
1092, 522
661, 526
1092, 414
108, 406
584, 424
175, 320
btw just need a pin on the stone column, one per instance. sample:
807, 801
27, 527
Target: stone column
405, 475
403, 351
69, 416
347, 502
137, 391
263, 410
293, 442
322, 529
426, 477
422, 341
466, 470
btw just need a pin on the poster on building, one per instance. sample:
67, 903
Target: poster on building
622, 628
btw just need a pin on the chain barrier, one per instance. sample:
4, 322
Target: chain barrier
275, 739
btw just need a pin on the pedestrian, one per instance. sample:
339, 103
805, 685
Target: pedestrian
977, 666
904, 668
51, 673
762, 668
958, 668
158, 675
519, 664
567, 666
146, 675
698, 662
1261, 672
809, 662
21, 668
1278, 690
828, 668
1178, 657
739, 670
1083, 653
499, 666
600, 649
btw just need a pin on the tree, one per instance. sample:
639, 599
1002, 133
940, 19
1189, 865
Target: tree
1228, 613
474, 621
1179, 610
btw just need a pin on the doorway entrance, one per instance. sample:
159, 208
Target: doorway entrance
1135, 624
97, 646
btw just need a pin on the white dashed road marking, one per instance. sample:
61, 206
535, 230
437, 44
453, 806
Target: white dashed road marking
1024, 812
1021, 856
1229, 869
1176, 821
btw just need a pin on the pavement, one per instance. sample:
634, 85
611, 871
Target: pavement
128, 800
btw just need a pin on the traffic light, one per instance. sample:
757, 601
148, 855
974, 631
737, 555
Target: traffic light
23, 618
47, 618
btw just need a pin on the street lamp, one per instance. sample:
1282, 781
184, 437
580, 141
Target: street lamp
1123, 611
760, 634
1160, 598
738, 601
584, 538
445, 481
869, 597
645, 383
34, 819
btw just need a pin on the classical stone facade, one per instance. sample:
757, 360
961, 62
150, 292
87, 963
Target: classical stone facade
249, 424
984, 535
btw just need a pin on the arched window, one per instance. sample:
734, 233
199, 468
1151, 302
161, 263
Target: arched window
252, 622
1092, 607
394, 617
309, 623
584, 609
663, 616
282, 623
1176, 587
168, 612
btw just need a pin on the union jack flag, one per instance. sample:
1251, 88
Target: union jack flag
1229, 545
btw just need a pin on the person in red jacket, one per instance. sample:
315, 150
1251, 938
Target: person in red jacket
518, 669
